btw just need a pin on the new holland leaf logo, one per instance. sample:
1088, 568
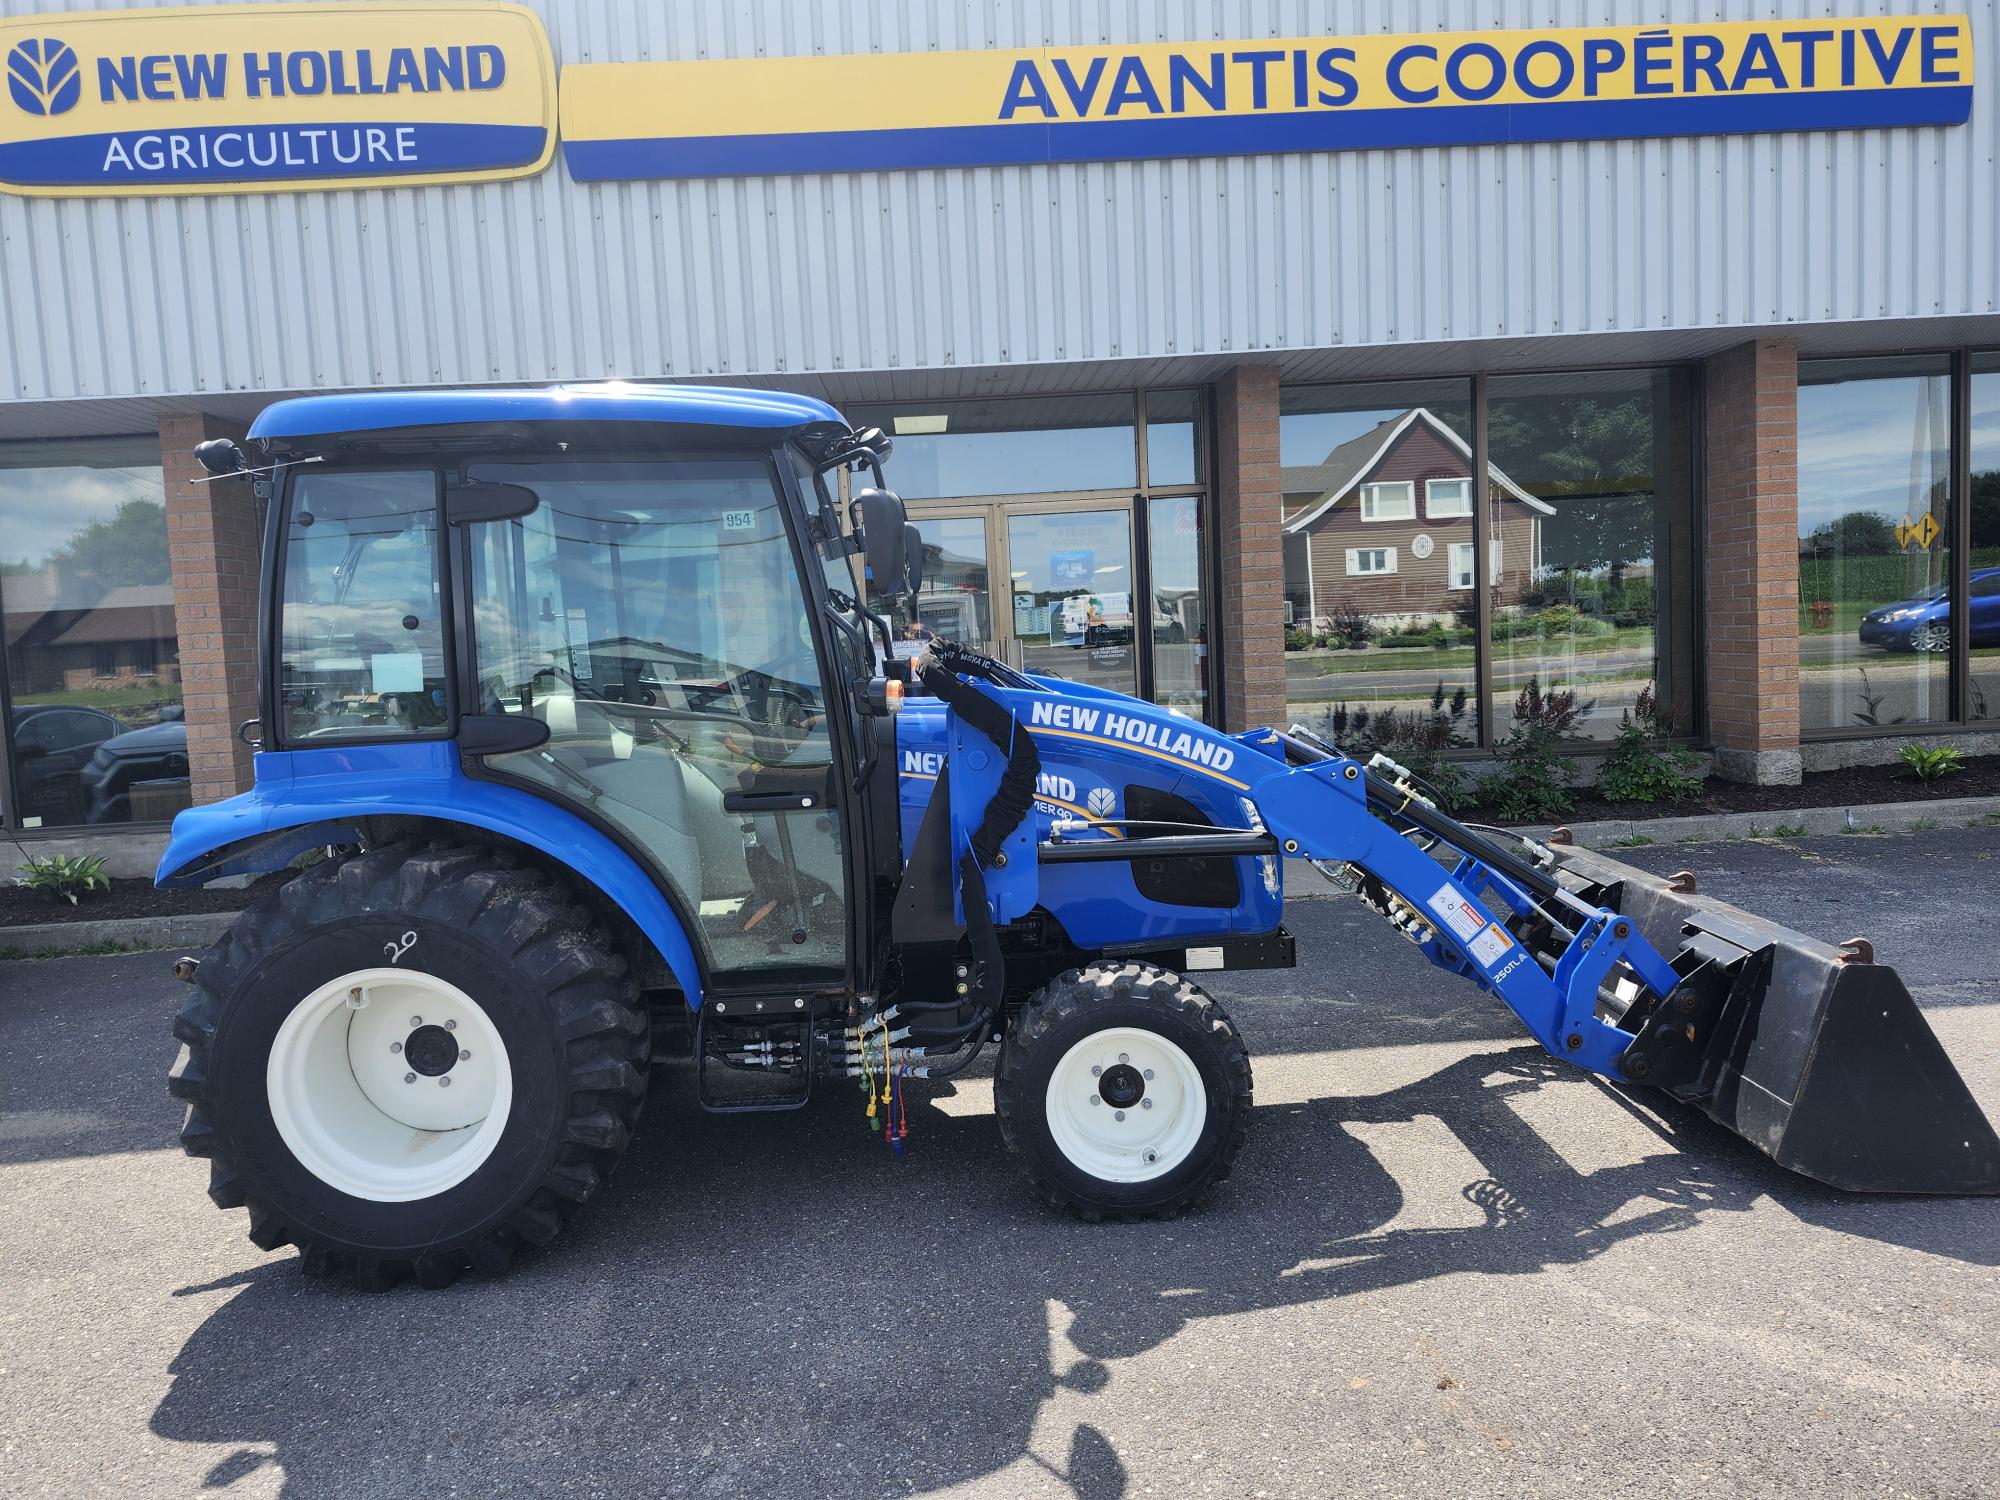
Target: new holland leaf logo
43, 76
1100, 800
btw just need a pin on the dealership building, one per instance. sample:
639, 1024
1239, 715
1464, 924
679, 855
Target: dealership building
1276, 362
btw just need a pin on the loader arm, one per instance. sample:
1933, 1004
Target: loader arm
1826, 1065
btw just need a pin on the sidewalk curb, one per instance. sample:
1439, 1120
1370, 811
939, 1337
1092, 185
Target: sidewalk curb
1877, 817
132, 934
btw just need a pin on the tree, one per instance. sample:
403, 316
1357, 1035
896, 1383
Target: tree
129, 548
1856, 533
1593, 461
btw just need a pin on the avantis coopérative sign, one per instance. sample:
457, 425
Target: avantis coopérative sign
240, 98
734, 117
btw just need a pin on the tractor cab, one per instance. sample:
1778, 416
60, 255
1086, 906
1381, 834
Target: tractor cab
636, 604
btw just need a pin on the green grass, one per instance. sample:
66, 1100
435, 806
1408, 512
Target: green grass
1866, 828
1789, 831
1923, 825
1984, 820
1633, 841
1426, 658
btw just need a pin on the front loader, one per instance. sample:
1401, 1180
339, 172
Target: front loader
592, 747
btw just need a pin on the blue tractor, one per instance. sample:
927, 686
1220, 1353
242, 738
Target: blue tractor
594, 744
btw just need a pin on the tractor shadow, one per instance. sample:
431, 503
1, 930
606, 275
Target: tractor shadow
765, 1305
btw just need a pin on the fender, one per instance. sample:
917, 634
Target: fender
336, 786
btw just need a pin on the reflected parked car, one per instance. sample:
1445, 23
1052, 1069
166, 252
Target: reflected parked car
157, 752
1924, 622
52, 743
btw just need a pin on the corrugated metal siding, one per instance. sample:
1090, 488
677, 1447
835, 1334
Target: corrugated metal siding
1016, 267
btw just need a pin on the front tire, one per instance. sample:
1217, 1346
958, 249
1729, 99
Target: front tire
410, 1061
1125, 1090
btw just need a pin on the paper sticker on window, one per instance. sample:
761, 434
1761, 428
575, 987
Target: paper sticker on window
1460, 915
397, 672
739, 520
1491, 946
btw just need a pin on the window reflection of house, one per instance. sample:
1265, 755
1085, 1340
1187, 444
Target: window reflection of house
66, 633
1383, 525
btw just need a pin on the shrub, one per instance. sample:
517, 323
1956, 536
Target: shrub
1534, 783
1350, 630
1639, 767
1416, 738
1932, 762
65, 877
1297, 640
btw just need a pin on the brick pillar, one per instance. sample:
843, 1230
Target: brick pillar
1753, 561
212, 539
1250, 603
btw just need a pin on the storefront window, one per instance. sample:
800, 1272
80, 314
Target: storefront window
1180, 619
1590, 543
1982, 613
92, 654
1170, 437
1874, 542
1039, 445
1375, 522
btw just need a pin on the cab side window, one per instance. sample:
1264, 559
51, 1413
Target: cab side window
361, 639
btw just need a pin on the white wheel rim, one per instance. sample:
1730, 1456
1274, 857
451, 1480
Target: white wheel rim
1106, 1132
371, 1095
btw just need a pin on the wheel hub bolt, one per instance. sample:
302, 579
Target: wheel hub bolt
1145, 1104
395, 1046
415, 1022
1149, 1075
451, 1026
409, 1078
1096, 1071
1118, 1114
464, 1053
445, 1082
1095, 1100
1123, 1058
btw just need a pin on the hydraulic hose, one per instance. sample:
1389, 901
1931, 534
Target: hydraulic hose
1005, 811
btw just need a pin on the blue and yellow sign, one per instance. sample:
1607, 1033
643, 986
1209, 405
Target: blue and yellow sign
734, 117
246, 98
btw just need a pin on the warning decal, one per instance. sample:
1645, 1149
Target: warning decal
1463, 917
1490, 946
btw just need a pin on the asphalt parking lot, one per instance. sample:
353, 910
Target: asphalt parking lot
1445, 1265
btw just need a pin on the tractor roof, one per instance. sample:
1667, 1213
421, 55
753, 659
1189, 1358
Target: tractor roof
608, 401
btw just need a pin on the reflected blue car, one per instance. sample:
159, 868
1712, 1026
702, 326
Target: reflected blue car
1924, 623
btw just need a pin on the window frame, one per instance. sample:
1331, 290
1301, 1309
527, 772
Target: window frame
271, 677
1432, 513
1388, 555
1369, 497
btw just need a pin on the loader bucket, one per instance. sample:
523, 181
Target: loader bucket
1818, 1058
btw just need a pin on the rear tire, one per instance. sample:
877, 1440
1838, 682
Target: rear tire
296, 1062
1169, 1075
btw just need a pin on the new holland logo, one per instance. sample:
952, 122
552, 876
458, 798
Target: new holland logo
43, 76
1101, 801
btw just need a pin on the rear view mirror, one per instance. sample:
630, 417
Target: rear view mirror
882, 521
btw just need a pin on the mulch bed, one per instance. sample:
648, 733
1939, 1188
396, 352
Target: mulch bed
1854, 786
131, 897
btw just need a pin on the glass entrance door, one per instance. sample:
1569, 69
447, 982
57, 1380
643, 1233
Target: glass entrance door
1065, 601
1071, 576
